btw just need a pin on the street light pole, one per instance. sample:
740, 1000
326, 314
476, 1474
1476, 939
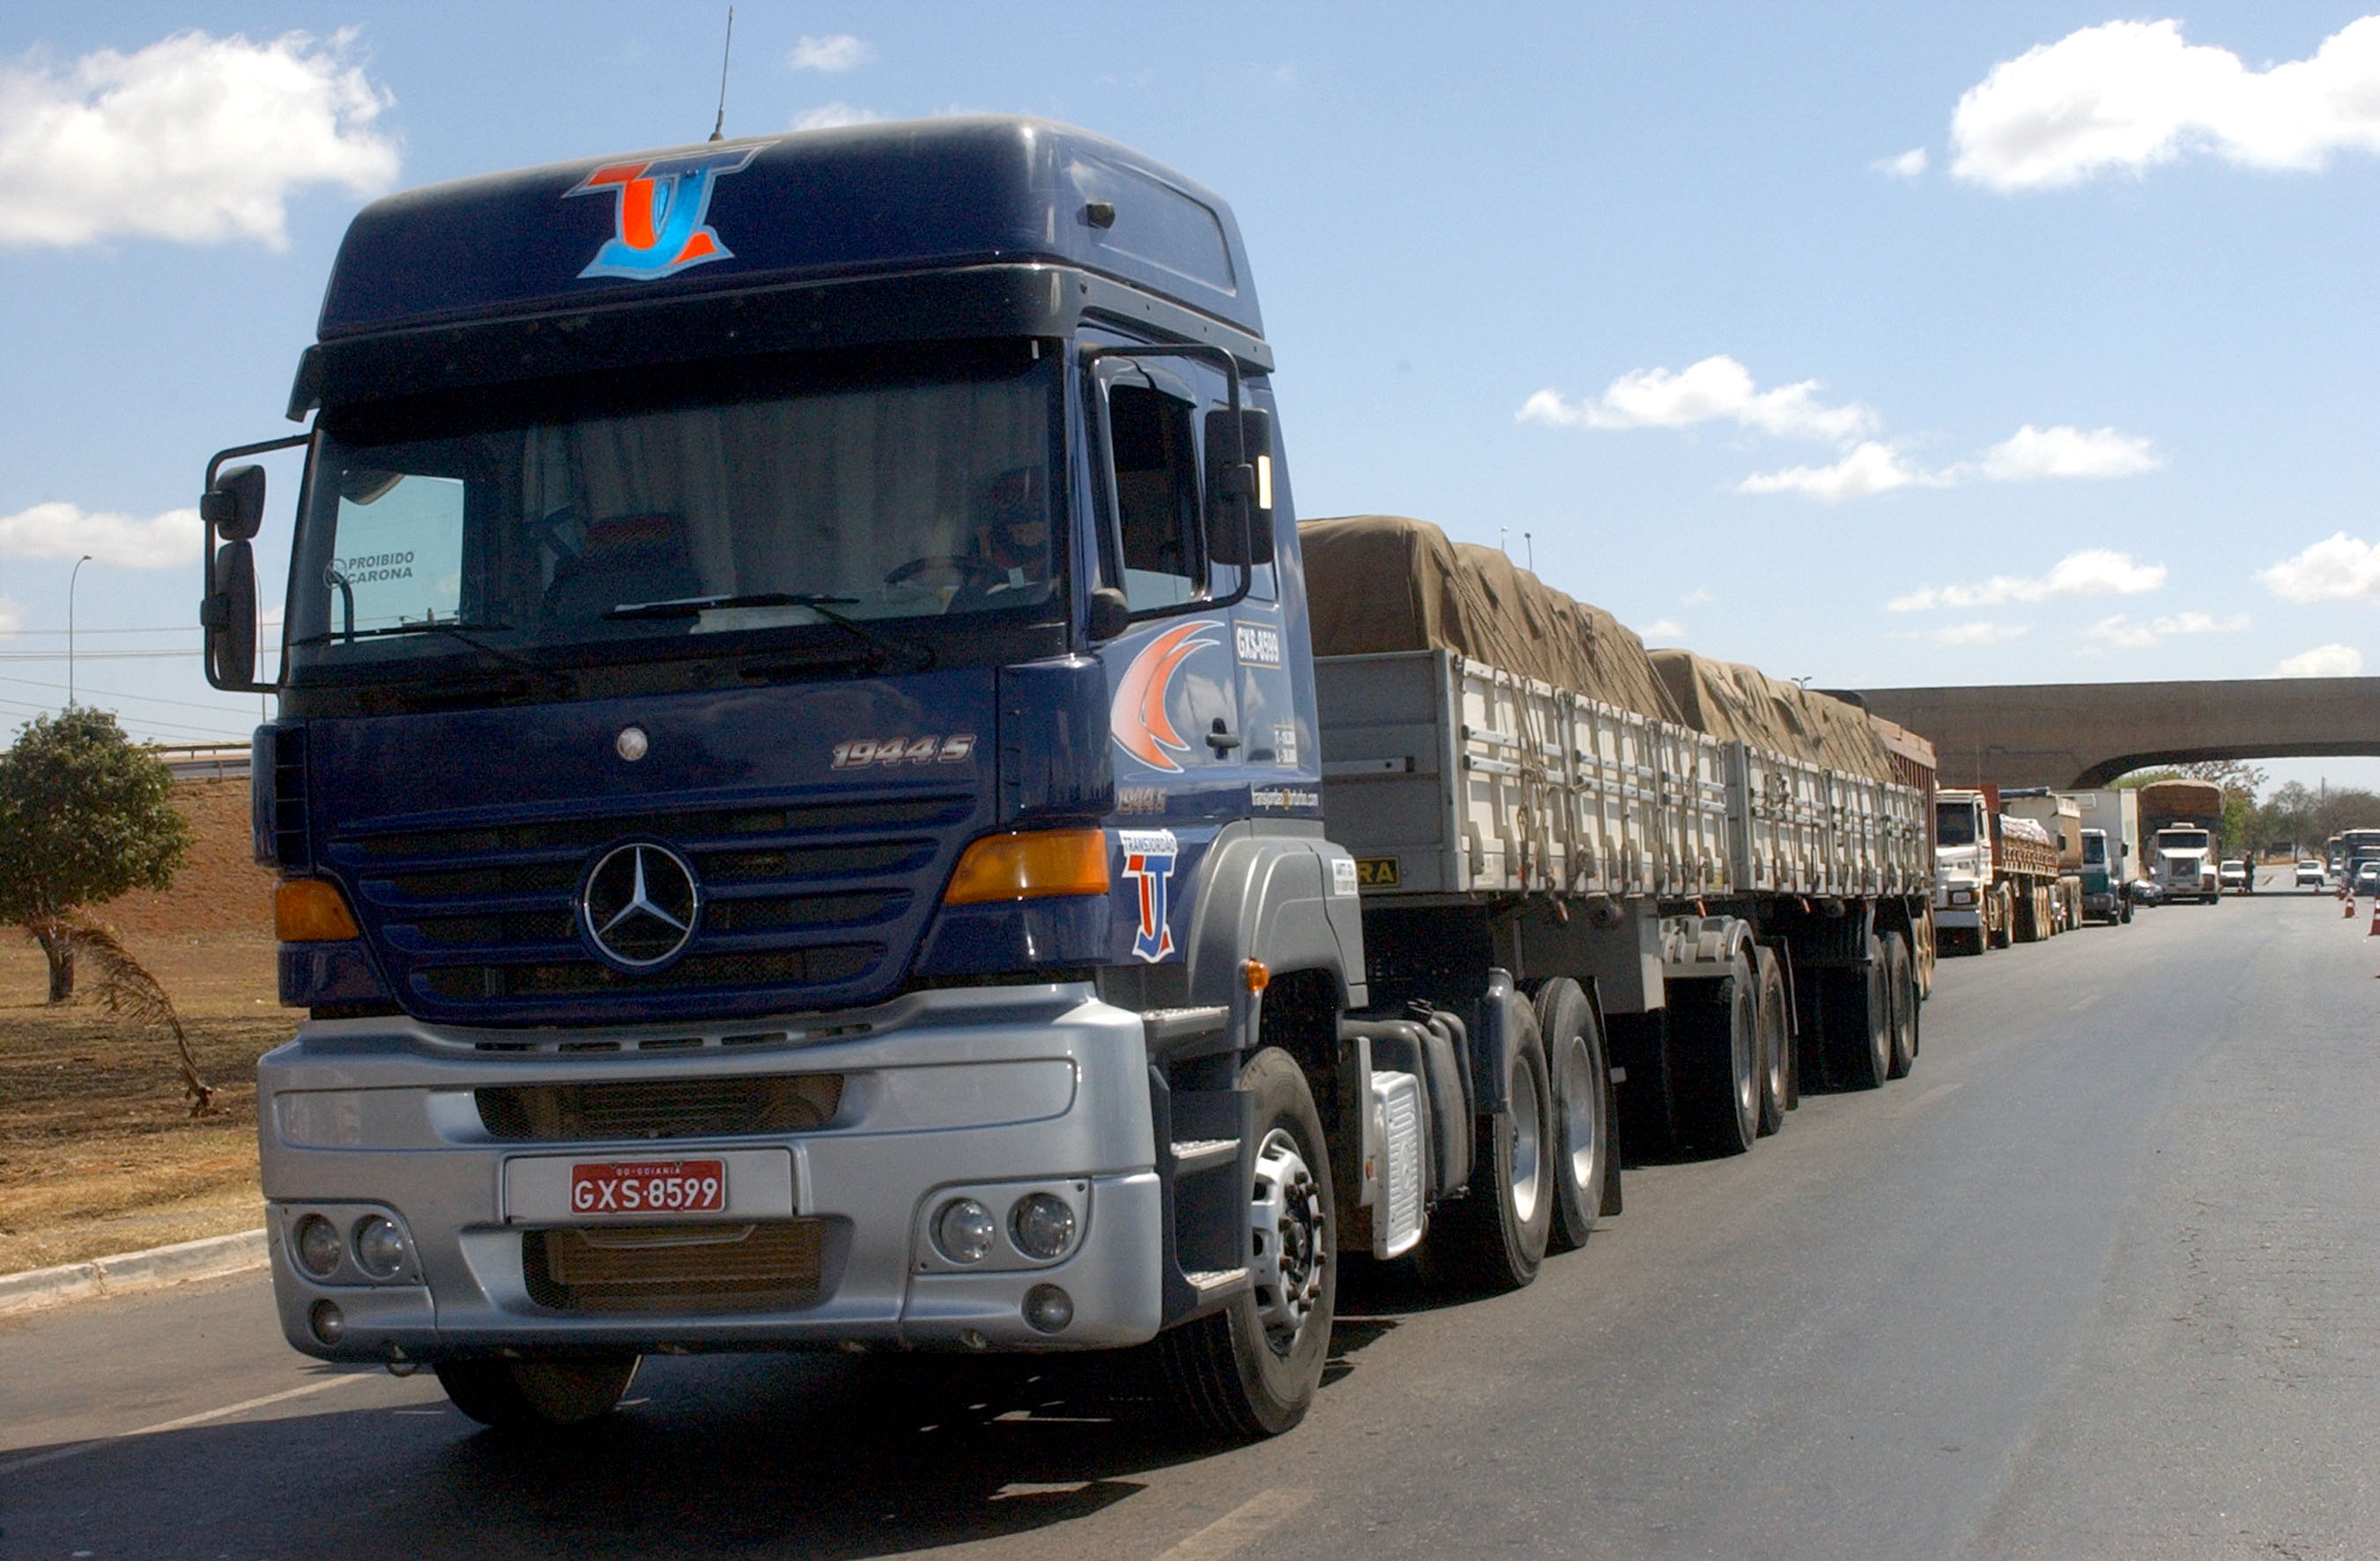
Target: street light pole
71, 576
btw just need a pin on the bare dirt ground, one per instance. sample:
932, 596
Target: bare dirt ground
98, 1151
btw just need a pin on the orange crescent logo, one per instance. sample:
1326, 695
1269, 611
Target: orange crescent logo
1138, 719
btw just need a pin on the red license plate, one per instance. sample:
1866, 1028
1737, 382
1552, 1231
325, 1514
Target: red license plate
648, 1186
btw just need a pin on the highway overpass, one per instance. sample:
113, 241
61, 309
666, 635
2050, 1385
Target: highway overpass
2087, 733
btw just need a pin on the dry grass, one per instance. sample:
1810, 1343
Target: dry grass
98, 1151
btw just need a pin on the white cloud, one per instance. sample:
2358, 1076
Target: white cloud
833, 116
12, 616
2122, 633
1698, 596
2031, 453
2092, 572
2125, 95
1718, 388
2339, 565
1909, 165
195, 139
1664, 628
839, 52
171, 540
1870, 468
2322, 661
1977, 633
1713, 389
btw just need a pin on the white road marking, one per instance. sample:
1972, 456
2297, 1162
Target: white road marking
2079, 1006
1252, 1519
202, 1417
1936, 1092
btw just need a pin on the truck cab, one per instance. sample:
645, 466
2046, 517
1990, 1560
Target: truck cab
795, 767
2184, 865
2103, 878
1968, 907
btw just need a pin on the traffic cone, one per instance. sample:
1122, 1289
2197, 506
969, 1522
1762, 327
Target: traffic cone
2375, 920
2347, 907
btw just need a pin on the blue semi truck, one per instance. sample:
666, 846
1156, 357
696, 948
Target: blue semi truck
805, 818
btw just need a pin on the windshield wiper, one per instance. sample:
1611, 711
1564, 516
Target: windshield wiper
918, 656
455, 627
464, 633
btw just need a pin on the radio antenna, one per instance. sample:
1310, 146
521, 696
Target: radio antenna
719, 124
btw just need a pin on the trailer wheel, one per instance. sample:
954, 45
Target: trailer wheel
1495, 1238
537, 1395
1900, 1002
1859, 1030
1252, 1369
1715, 1039
1781, 1072
1581, 1092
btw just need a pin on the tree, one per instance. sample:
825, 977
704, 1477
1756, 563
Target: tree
84, 817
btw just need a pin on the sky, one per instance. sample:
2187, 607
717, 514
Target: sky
1876, 345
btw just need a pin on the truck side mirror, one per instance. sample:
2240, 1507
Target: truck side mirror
234, 503
228, 616
1239, 488
1111, 613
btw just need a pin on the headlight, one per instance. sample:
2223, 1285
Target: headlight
318, 1246
380, 1246
964, 1230
1042, 1225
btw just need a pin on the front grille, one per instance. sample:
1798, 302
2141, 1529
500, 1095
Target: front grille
774, 1264
809, 905
662, 1107
581, 977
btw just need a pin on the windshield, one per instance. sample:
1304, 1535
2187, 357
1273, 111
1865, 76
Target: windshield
1954, 824
2094, 848
745, 497
2183, 840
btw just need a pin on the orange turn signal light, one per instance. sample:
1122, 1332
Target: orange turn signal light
311, 911
1030, 867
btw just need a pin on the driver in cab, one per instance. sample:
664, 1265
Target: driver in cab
1010, 551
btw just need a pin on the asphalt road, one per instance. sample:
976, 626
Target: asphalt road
2101, 1279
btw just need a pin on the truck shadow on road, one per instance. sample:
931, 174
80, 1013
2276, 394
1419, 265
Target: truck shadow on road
814, 1456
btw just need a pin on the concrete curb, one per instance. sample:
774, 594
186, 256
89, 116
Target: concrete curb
206, 1258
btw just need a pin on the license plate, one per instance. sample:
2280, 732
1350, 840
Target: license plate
648, 1186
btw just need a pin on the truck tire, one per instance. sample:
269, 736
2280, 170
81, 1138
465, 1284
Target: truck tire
1858, 1028
1714, 1047
537, 1395
2000, 934
1582, 1102
1252, 1369
1780, 1071
1495, 1238
1901, 1000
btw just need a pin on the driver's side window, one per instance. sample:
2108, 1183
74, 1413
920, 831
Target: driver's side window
1151, 438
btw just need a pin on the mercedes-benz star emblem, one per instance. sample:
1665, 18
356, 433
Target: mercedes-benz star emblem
640, 905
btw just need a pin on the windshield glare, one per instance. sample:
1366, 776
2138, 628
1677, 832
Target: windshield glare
884, 495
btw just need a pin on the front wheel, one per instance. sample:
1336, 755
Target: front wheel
1252, 1369
533, 1394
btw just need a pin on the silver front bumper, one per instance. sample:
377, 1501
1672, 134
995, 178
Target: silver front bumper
990, 1091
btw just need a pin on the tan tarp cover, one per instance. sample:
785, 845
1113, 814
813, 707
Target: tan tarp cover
1731, 700
1381, 582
